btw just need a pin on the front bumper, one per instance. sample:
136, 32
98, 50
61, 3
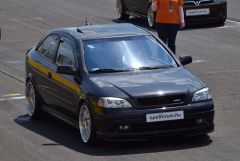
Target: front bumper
109, 122
218, 14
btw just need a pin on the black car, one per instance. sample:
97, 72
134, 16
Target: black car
115, 81
196, 11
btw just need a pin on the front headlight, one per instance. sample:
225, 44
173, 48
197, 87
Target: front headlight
201, 95
112, 102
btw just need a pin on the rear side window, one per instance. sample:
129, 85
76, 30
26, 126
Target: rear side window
49, 46
65, 54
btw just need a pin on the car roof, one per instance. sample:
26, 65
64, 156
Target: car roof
104, 31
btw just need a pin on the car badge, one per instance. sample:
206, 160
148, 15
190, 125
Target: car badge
197, 3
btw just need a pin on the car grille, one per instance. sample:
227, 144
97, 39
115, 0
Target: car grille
162, 101
197, 2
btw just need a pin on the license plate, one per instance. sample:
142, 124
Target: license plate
165, 116
198, 12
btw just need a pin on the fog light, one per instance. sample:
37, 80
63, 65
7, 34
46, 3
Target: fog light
201, 120
123, 127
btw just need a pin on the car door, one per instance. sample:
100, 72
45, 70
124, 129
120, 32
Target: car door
65, 87
46, 53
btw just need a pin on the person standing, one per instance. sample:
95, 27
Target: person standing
169, 18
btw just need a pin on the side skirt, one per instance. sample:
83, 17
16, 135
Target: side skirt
60, 116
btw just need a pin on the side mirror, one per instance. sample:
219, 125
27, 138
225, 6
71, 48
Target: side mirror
184, 60
66, 69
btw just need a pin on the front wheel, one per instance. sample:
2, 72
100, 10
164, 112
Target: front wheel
151, 17
33, 106
86, 125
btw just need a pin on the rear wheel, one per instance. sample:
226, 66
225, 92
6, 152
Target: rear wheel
121, 11
86, 125
151, 17
33, 105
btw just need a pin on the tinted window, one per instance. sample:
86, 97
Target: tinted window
49, 46
140, 52
65, 54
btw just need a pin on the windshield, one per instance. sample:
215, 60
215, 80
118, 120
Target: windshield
126, 53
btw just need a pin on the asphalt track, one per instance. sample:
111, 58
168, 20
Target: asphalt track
216, 53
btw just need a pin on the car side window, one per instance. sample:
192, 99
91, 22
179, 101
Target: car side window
65, 54
49, 46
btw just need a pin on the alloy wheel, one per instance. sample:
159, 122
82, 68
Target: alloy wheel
150, 17
31, 99
85, 124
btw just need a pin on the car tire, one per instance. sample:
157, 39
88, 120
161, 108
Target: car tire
151, 15
86, 125
33, 102
121, 11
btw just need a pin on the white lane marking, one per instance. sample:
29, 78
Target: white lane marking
223, 71
12, 98
233, 21
33, 19
14, 62
199, 61
12, 94
26, 24
224, 27
236, 24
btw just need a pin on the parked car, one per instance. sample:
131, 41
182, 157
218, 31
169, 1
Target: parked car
196, 11
115, 81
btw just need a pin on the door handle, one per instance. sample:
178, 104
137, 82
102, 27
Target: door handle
50, 75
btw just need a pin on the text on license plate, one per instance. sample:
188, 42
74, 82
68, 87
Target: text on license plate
198, 12
165, 116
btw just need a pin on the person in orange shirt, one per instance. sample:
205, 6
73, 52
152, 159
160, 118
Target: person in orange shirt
169, 18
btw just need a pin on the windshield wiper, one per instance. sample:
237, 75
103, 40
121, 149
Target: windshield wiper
110, 70
153, 67
107, 70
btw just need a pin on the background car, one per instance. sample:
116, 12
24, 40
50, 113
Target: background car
196, 11
116, 81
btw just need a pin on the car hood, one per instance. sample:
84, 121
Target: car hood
154, 82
